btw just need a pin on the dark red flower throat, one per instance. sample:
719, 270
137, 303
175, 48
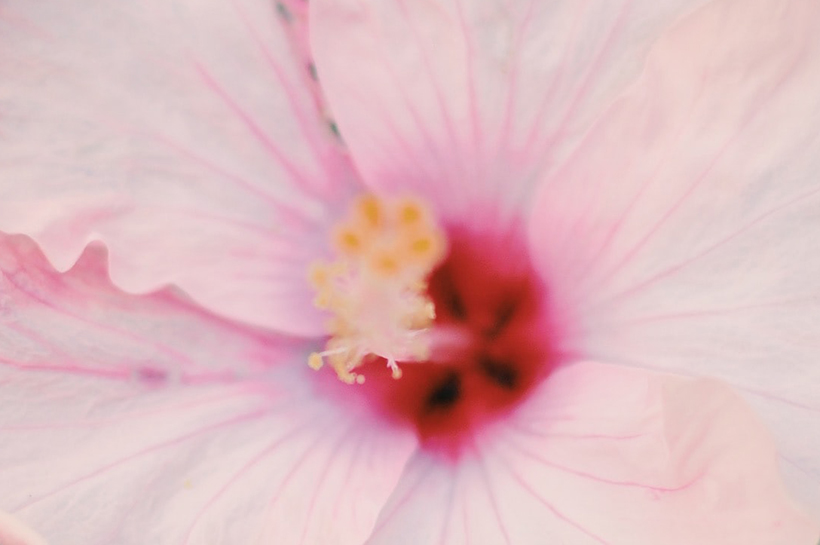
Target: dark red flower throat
492, 343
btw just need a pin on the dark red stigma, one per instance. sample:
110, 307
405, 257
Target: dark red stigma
486, 290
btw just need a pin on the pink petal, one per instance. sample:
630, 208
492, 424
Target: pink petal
606, 455
184, 135
142, 419
468, 101
682, 234
13, 532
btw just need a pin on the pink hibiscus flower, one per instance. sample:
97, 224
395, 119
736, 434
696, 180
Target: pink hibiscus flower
570, 203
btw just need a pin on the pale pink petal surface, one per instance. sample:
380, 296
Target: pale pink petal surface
466, 101
186, 135
676, 223
140, 419
133, 418
13, 532
191, 139
606, 455
682, 234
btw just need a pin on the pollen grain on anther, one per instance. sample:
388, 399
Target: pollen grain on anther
375, 289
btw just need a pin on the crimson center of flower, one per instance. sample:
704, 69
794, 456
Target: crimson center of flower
441, 333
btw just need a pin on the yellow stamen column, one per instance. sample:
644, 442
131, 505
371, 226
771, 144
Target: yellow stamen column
376, 287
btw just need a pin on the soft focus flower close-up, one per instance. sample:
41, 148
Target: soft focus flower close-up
410, 271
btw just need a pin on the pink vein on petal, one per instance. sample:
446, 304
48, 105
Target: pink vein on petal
554, 85
236, 476
126, 334
257, 131
241, 390
280, 75
337, 447
251, 229
414, 114
443, 110
811, 474
512, 87
669, 271
773, 397
282, 205
407, 149
613, 360
73, 368
558, 514
811, 300
475, 118
294, 470
38, 339
650, 180
594, 70
751, 116
448, 513
153, 448
563, 435
631, 484
465, 523
355, 456
137, 498
485, 476
624, 214
399, 504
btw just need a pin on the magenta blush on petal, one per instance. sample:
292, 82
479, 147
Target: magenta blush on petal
492, 344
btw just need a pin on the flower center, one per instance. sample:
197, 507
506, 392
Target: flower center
466, 318
492, 307
376, 289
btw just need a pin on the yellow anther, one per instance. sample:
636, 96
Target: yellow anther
370, 211
348, 241
315, 361
318, 275
376, 288
385, 263
345, 376
336, 326
422, 245
409, 213
323, 299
